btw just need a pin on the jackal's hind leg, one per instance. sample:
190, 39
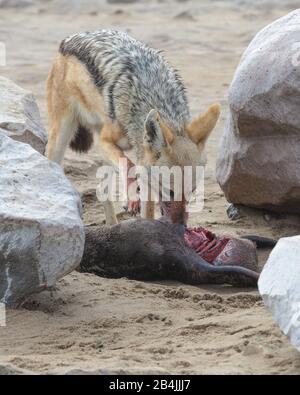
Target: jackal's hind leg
60, 136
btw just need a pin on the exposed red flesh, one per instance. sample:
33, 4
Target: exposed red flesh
205, 243
221, 250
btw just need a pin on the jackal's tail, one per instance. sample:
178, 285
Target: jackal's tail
83, 140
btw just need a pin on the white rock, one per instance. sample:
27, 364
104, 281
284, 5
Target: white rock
41, 231
20, 117
279, 286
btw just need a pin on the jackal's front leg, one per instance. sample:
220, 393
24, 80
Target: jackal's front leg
111, 133
133, 204
147, 209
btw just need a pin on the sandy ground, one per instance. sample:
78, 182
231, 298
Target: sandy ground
102, 325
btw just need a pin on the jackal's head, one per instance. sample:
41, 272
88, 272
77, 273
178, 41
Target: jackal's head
178, 155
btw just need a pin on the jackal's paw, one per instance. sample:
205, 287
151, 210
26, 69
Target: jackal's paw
133, 207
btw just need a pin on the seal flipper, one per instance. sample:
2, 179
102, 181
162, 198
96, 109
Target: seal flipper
261, 242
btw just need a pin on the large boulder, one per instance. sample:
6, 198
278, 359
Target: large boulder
20, 117
41, 232
279, 285
259, 158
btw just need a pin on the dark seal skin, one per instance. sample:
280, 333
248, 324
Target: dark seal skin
152, 250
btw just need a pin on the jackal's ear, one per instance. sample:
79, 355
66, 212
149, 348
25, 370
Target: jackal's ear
201, 127
157, 134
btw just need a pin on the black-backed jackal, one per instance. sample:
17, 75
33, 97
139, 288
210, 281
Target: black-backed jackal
109, 83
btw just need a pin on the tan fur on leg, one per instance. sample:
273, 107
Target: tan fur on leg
110, 135
147, 210
109, 211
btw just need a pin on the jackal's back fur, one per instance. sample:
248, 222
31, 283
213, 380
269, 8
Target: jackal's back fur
132, 78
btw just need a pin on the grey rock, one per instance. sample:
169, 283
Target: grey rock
20, 117
233, 212
259, 158
41, 232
